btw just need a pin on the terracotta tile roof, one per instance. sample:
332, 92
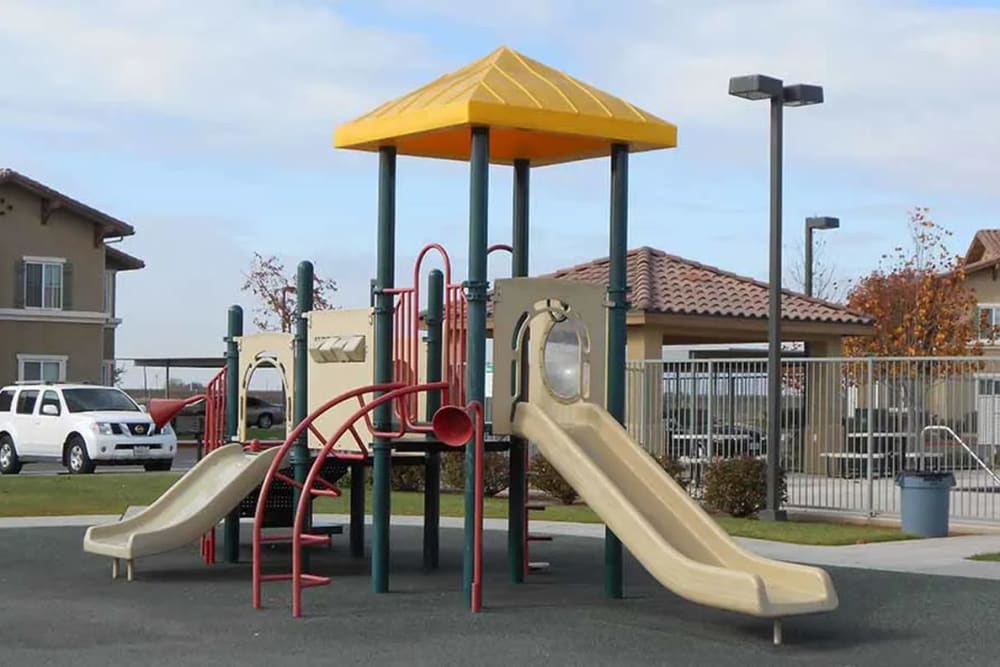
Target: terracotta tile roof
662, 283
984, 250
112, 226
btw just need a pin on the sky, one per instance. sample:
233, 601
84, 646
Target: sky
208, 126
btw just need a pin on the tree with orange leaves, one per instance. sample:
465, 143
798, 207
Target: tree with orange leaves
276, 293
919, 299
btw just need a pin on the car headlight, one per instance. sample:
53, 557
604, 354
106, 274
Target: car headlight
103, 428
166, 430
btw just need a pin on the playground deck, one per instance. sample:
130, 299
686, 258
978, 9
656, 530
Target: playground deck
62, 609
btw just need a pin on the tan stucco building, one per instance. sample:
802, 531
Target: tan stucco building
58, 277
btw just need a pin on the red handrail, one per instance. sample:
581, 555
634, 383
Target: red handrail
406, 332
213, 438
500, 246
307, 423
302, 508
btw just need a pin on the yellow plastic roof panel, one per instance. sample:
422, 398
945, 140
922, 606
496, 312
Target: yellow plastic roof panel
534, 112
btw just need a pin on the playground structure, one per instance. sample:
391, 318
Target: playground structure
504, 109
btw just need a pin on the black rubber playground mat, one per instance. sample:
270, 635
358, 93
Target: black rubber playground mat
60, 607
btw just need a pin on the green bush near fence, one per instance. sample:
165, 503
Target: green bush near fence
738, 486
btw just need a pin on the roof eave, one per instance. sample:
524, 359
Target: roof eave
110, 226
122, 261
593, 132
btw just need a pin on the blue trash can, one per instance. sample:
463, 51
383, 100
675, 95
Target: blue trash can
925, 498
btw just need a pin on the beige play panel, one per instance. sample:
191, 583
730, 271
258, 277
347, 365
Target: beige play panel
560, 409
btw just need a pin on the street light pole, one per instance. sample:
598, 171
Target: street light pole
808, 280
773, 511
760, 87
812, 224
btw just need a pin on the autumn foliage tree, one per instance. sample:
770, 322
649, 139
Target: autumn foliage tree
276, 293
919, 298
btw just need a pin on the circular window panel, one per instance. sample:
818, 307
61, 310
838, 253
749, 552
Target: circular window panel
563, 359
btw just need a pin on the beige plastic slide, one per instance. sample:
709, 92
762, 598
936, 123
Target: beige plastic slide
187, 510
667, 531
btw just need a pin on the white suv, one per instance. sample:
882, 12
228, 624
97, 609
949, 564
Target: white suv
80, 426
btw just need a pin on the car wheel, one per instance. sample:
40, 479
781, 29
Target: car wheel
265, 421
10, 463
77, 459
158, 466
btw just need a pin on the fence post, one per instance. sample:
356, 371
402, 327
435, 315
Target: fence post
709, 427
871, 436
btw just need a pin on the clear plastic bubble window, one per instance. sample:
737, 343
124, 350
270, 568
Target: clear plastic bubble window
564, 355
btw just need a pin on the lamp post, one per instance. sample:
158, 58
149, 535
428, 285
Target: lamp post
815, 223
760, 87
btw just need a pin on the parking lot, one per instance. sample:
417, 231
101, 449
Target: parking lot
185, 459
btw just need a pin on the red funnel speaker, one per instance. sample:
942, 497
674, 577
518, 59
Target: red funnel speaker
453, 425
162, 410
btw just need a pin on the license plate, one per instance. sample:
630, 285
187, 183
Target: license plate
140, 450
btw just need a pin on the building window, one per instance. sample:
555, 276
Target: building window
108, 373
109, 293
43, 284
41, 368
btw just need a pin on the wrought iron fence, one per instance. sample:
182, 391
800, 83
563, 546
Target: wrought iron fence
848, 426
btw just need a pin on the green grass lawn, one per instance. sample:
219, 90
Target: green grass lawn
274, 433
80, 494
988, 557
112, 494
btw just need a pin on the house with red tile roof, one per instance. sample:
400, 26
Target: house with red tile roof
677, 301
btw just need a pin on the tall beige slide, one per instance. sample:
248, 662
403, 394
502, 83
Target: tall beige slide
667, 531
187, 510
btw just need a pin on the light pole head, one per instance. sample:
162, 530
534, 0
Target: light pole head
762, 87
822, 222
755, 87
802, 95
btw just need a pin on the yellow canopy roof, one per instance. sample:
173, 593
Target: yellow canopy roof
534, 112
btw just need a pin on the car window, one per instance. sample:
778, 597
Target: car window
26, 401
6, 400
253, 401
98, 399
51, 398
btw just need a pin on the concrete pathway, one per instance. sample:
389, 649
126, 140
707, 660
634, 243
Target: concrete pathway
943, 556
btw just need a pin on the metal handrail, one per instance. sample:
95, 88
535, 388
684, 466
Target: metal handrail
955, 436
298, 527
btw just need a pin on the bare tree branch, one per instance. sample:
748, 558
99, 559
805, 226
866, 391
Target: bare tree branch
276, 293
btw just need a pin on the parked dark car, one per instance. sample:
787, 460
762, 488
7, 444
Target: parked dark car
264, 414
260, 413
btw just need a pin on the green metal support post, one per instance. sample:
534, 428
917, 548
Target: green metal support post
517, 499
382, 465
358, 474
300, 396
231, 529
475, 290
617, 311
432, 460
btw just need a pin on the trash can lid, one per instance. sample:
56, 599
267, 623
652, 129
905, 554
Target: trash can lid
925, 478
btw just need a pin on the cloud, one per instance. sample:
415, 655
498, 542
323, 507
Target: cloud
911, 89
227, 74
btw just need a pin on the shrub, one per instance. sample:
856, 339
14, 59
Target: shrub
738, 486
496, 472
546, 478
674, 468
453, 470
407, 477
